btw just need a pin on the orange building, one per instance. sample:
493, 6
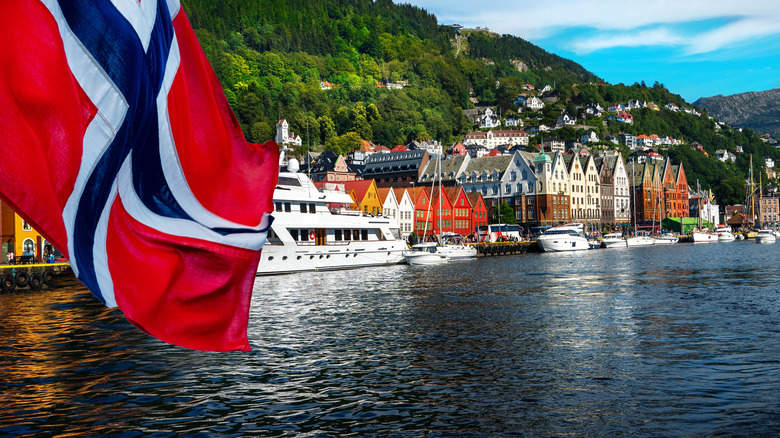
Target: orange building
20, 237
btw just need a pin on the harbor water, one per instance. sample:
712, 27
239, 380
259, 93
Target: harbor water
676, 340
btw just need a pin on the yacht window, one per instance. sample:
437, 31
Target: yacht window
355, 234
287, 207
287, 181
303, 208
364, 234
304, 235
337, 234
278, 206
294, 234
347, 235
312, 208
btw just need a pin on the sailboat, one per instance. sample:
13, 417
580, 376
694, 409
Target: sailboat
450, 244
764, 235
663, 238
749, 219
638, 239
702, 234
427, 253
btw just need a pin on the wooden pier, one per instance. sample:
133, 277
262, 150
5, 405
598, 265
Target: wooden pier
505, 248
31, 276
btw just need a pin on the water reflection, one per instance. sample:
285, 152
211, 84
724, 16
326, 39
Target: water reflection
643, 341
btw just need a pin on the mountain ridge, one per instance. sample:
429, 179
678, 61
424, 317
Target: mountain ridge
756, 110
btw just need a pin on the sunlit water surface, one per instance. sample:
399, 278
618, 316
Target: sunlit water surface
679, 340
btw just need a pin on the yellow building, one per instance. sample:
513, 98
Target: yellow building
366, 196
18, 236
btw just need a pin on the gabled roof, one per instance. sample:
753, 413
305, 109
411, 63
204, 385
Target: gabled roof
384, 193
360, 187
489, 164
450, 168
394, 162
399, 195
473, 198
453, 193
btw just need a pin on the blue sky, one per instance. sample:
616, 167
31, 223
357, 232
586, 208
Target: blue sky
697, 48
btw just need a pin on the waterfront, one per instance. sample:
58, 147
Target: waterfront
674, 340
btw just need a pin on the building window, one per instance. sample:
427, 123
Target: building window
26, 227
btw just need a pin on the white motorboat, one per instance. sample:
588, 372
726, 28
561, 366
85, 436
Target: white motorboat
765, 236
725, 234
425, 254
452, 246
613, 240
666, 239
313, 230
703, 236
569, 237
640, 239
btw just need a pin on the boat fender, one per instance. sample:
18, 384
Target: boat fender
48, 276
9, 283
311, 235
22, 278
36, 281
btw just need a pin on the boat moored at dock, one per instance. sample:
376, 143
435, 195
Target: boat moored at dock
765, 236
427, 253
314, 230
569, 237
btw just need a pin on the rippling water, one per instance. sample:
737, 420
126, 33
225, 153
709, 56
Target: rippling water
681, 340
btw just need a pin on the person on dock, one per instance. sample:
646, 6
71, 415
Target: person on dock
10, 257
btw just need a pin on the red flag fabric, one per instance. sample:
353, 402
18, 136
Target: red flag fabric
121, 149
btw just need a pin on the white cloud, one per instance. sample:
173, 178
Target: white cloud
627, 23
652, 37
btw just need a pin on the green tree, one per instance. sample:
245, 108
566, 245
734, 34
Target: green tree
344, 144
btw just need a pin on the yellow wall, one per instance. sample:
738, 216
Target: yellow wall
21, 235
371, 203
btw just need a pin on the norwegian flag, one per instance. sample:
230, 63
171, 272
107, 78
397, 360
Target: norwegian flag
119, 146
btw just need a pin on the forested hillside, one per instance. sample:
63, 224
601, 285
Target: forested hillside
271, 56
342, 71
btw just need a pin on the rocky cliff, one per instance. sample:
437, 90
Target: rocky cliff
759, 111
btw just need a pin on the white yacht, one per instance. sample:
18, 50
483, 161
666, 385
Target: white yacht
569, 237
765, 236
666, 238
613, 240
427, 253
703, 236
640, 239
452, 246
313, 230
725, 234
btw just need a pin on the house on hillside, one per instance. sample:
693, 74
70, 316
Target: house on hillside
534, 103
565, 120
589, 137
513, 120
622, 117
489, 120
724, 155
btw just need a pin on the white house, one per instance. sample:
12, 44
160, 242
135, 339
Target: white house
489, 120
589, 137
492, 139
513, 120
284, 136
770, 163
672, 107
405, 211
565, 120
620, 191
724, 155
534, 103
554, 144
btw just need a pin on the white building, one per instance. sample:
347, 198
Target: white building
284, 136
534, 103
497, 137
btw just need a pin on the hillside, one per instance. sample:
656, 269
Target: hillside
759, 111
342, 72
334, 68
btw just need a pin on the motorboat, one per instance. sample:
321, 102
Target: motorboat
765, 236
703, 236
453, 246
666, 239
426, 253
569, 237
640, 239
725, 234
315, 230
613, 240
